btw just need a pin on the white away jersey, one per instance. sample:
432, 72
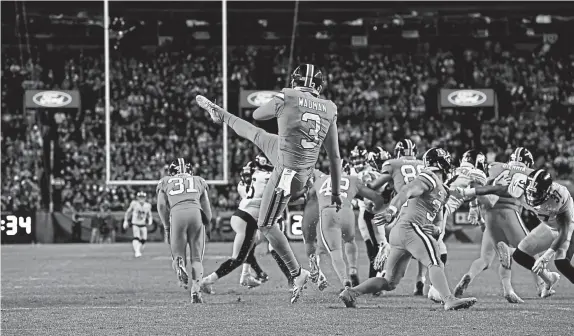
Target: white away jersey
141, 213
251, 197
463, 177
559, 202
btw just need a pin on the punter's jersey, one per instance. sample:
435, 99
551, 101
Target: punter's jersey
141, 212
559, 202
183, 190
402, 170
323, 189
253, 193
463, 177
424, 208
498, 171
303, 121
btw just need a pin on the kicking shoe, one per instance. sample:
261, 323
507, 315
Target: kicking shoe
196, 297
210, 107
354, 279
313, 268
249, 282
513, 297
206, 287
299, 283
456, 304
434, 295
181, 272
548, 290
263, 277
137, 254
462, 285
419, 288
504, 254
322, 281
348, 296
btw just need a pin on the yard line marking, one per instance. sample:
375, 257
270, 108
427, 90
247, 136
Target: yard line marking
89, 308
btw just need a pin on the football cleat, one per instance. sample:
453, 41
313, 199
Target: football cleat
249, 282
137, 254
462, 285
513, 297
210, 107
262, 277
313, 268
322, 281
434, 295
207, 288
196, 297
419, 288
348, 296
548, 290
504, 254
299, 283
457, 304
182, 276
354, 279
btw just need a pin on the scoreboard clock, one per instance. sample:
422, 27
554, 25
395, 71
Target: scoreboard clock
17, 229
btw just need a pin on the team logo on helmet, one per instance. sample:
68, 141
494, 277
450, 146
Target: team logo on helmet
538, 187
522, 155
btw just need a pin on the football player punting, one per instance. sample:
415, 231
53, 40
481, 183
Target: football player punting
553, 205
254, 177
141, 218
502, 222
306, 122
414, 232
400, 171
184, 209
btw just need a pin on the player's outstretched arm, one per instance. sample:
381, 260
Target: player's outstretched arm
206, 205
331, 145
498, 190
366, 192
271, 109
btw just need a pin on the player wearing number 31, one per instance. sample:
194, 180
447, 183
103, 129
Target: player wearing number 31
141, 218
184, 209
415, 232
305, 123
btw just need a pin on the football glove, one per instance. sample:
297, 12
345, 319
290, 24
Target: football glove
474, 215
543, 261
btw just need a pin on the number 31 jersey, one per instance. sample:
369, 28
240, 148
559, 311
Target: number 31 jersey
303, 121
183, 190
253, 193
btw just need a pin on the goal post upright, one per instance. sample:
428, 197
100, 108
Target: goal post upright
107, 87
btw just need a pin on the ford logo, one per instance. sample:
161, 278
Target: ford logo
260, 98
467, 98
52, 99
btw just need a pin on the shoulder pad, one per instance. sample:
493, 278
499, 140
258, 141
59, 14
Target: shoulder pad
429, 177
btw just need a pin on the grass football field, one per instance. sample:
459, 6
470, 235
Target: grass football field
103, 290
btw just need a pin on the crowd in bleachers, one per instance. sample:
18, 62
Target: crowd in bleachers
154, 117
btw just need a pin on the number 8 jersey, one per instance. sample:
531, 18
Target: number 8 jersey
303, 121
183, 190
402, 170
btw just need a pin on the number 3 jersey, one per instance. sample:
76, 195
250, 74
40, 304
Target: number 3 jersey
141, 213
303, 122
498, 171
323, 188
183, 190
251, 194
424, 208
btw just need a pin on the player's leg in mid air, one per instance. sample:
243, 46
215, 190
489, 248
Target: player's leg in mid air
245, 229
538, 240
282, 183
137, 244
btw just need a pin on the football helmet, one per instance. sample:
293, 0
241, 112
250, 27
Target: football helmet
309, 76
522, 155
346, 167
262, 162
377, 157
358, 157
475, 158
538, 187
437, 159
405, 147
247, 172
141, 195
179, 166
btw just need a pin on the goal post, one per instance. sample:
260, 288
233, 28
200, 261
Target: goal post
109, 180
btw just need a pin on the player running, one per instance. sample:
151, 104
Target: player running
184, 209
140, 211
254, 177
414, 233
305, 123
335, 224
553, 205
401, 170
503, 223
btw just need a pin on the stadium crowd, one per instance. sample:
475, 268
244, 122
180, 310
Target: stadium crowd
382, 96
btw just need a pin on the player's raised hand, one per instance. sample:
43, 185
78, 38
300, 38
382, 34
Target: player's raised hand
337, 200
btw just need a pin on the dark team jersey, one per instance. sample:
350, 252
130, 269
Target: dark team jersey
183, 189
402, 170
323, 188
303, 122
498, 171
424, 208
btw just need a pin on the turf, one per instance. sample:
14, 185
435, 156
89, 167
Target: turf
103, 290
